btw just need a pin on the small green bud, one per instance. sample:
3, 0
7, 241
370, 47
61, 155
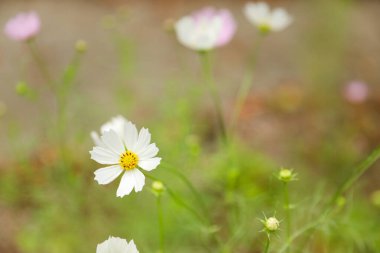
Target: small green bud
158, 188
286, 175
22, 88
341, 201
81, 46
375, 198
271, 224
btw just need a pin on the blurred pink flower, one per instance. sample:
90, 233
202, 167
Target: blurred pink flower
356, 92
206, 29
23, 26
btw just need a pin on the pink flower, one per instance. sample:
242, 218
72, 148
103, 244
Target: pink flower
356, 92
206, 29
23, 26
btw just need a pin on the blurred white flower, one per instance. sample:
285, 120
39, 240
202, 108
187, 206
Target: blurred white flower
116, 124
124, 149
266, 20
116, 245
206, 29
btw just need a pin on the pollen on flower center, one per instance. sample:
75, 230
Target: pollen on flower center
128, 160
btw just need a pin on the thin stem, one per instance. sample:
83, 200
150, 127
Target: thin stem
287, 212
188, 183
346, 185
210, 82
160, 224
267, 245
246, 83
41, 64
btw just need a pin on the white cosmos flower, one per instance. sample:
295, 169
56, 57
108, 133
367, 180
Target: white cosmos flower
266, 20
124, 152
116, 124
206, 29
116, 245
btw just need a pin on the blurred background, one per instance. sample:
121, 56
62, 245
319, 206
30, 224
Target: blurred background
302, 112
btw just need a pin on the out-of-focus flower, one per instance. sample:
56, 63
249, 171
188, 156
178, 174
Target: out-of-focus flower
355, 92
206, 29
23, 26
158, 188
265, 19
124, 149
116, 124
116, 245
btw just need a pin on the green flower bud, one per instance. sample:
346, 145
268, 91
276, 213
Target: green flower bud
81, 46
158, 188
271, 224
375, 198
286, 175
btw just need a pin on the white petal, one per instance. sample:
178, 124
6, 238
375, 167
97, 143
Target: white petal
280, 19
132, 247
113, 142
131, 179
113, 245
117, 124
95, 137
108, 174
142, 141
130, 135
104, 156
148, 152
150, 164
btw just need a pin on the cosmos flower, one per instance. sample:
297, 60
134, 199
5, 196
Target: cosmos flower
206, 29
125, 151
266, 20
23, 26
116, 123
356, 92
116, 245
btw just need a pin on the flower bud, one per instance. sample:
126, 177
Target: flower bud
286, 175
158, 188
271, 224
81, 46
375, 198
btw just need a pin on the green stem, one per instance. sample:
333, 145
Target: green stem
287, 213
160, 224
41, 64
267, 245
191, 187
210, 82
246, 83
346, 185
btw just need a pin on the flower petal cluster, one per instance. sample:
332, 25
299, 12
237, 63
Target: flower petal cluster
116, 245
265, 19
206, 29
124, 150
23, 26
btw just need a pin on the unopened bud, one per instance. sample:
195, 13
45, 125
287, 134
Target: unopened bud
158, 187
81, 46
286, 175
271, 224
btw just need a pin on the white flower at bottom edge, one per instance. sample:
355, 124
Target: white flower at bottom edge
125, 154
116, 123
116, 245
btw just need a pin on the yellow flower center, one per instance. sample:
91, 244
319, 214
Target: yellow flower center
128, 160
